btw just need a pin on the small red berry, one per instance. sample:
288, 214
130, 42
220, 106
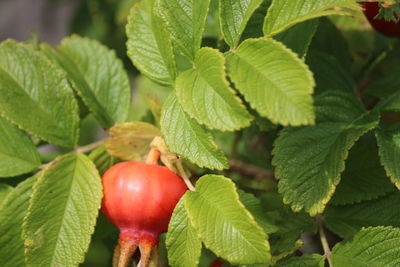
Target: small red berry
388, 28
139, 199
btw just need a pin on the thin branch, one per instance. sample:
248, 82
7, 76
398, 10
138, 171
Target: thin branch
250, 170
324, 240
89, 147
183, 174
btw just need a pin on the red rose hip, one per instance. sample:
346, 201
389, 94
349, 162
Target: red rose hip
139, 199
388, 28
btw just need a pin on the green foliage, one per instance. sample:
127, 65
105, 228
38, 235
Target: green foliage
234, 88
234, 16
185, 20
187, 138
97, 75
345, 221
12, 212
300, 10
148, 45
282, 97
389, 151
36, 95
62, 212
374, 246
309, 159
205, 95
223, 223
184, 246
18, 154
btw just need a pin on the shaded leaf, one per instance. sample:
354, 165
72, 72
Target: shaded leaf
12, 213
374, 246
313, 260
102, 159
18, 154
347, 220
309, 159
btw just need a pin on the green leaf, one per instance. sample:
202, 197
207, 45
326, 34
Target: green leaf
12, 212
283, 14
313, 260
149, 46
36, 95
131, 140
223, 223
97, 75
364, 177
234, 15
253, 205
329, 73
347, 220
185, 20
62, 212
18, 154
273, 80
298, 38
183, 244
205, 95
389, 151
184, 136
5, 189
309, 159
102, 159
374, 246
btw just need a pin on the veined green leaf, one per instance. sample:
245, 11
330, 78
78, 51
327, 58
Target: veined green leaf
184, 136
313, 260
374, 246
273, 80
223, 223
234, 15
149, 46
364, 177
347, 220
18, 154
183, 244
389, 151
5, 189
12, 212
62, 212
102, 159
283, 14
97, 75
309, 159
185, 20
329, 73
36, 95
298, 38
205, 95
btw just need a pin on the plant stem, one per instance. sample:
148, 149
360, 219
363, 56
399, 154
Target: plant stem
250, 170
235, 143
153, 156
182, 173
324, 240
89, 147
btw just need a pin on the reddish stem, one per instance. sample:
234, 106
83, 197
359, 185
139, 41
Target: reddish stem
153, 156
145, 253
124, 251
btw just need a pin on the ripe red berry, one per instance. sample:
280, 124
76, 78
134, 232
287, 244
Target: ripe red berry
388, 28
216, 263
139, 199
